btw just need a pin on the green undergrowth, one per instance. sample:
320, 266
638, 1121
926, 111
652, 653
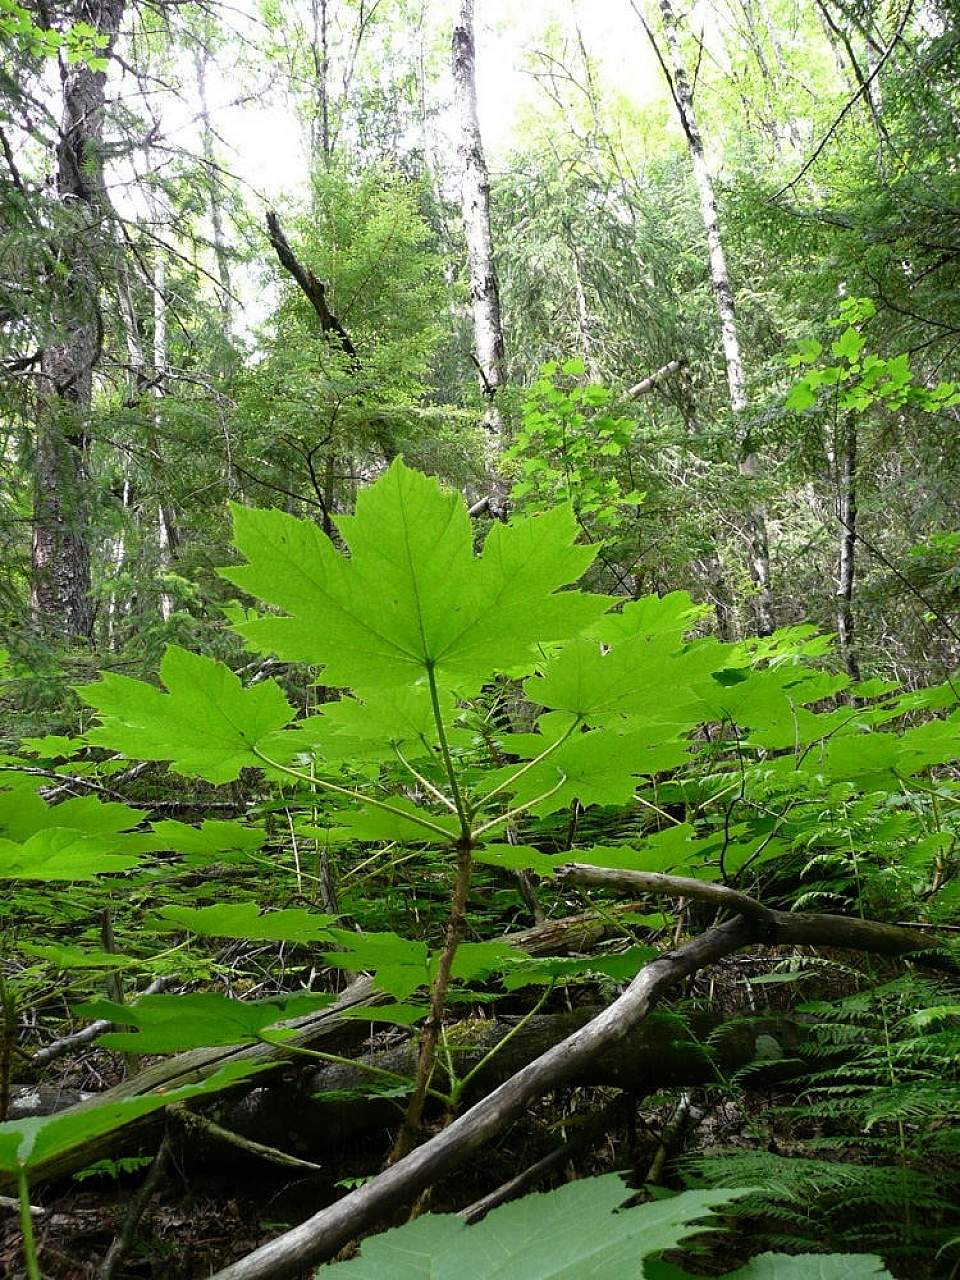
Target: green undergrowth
468, 716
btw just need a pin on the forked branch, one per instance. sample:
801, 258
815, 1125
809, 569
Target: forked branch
321, 1236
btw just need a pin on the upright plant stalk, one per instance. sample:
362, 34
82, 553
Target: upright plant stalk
456, 921
429, 1040
484, 290
749, 463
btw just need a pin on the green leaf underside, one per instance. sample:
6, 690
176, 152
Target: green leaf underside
68, 957
400, 966
812, 1266
243, 920
216, 839
572, 1233
61, 854
173, 1024
23, 813
368, 823
412, 597
26, 1144
206, 724
621, 966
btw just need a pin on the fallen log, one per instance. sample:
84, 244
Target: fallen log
322, 1235
327, 1029
328, 1109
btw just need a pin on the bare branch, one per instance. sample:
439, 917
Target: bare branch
310, 284
652, 379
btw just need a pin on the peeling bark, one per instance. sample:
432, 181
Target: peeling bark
749, 464
484, 290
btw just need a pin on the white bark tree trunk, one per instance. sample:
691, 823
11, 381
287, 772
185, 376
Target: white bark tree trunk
756, 530
201, 57
484, 291
166, 526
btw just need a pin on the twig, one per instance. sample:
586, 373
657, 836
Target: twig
90, 1032
11, 1202
650, 381
122, 1242
271, 1154
596, 1125
850, 104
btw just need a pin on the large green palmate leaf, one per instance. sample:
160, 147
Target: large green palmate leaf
572, 1233
412, 597
599, 767
812, 1266
672, 614
77, 840
23, 813
243, 920
206, 725
404, 821
783, 1266
215, 840
173, 1024
25, 1144
61, 854
373, 727
637, 677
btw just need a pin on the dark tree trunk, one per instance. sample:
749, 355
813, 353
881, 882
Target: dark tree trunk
61, 555
847, 562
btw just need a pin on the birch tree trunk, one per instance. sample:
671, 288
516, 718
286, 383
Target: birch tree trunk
756, 529
584, 316
137, 381
167, 537
484, 291
61, 552
320, 119
201, 58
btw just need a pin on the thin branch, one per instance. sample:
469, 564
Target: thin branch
310, 284
772, 927
650, 381
123, 1242
90, 1032
850, 104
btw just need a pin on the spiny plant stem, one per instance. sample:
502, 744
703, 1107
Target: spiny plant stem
355, 1064
462, 810
521, 808
456, 1091
357, 796
507, 784
438, 998
425, 782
